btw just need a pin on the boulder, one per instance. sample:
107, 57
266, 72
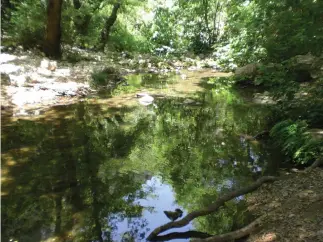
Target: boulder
306, 67
249, 70
305, 62
44, 63
10, 69
49, 65
17, 80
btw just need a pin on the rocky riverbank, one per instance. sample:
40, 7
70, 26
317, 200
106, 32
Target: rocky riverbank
28, 79
293, 207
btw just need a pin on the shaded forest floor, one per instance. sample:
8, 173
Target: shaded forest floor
294, 208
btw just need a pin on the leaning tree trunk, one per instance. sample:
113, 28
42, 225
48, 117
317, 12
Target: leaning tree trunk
105, 33
52, 45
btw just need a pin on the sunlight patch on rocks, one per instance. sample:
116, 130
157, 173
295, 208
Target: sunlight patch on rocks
10, 68
4, 58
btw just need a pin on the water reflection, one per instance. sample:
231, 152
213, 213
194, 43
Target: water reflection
82, 173
152, 80
160, 200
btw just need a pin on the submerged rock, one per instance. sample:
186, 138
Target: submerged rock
191, 102
145, 99
188, 101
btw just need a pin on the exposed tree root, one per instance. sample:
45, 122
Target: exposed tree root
316, 163
211, 208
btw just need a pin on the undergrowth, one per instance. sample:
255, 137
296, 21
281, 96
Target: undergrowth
296, 141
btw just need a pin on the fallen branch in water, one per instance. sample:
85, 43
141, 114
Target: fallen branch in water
211, 208
182, 235
237, 234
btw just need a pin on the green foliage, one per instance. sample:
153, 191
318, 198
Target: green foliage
240, 31
27, 23
220, 83
109, 75
296, 141
123, 90
142, 26
100, 78
306, 103
123, 39
272, 30
274, 77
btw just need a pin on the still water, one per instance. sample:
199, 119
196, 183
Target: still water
106, 168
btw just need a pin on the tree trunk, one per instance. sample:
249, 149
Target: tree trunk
52, 45
206, 19
105, 33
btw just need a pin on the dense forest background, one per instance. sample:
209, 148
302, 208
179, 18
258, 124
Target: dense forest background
242, 31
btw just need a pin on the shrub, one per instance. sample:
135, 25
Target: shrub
27, 25
107, 76
296, 141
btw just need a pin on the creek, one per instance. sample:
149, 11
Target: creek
105, 168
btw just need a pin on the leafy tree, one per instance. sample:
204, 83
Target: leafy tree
105, 33
273, 30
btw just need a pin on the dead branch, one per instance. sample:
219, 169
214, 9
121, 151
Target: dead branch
237, 234
211, 208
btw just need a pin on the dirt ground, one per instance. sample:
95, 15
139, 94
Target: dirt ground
293, 207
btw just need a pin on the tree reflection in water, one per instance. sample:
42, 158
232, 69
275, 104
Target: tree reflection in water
92, 176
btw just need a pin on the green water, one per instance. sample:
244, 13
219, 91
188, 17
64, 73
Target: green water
87, 172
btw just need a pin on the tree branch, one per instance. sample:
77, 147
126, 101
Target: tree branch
109, 22
182, 235
211, 208
235, 234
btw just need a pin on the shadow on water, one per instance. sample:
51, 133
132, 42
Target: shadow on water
86, 173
